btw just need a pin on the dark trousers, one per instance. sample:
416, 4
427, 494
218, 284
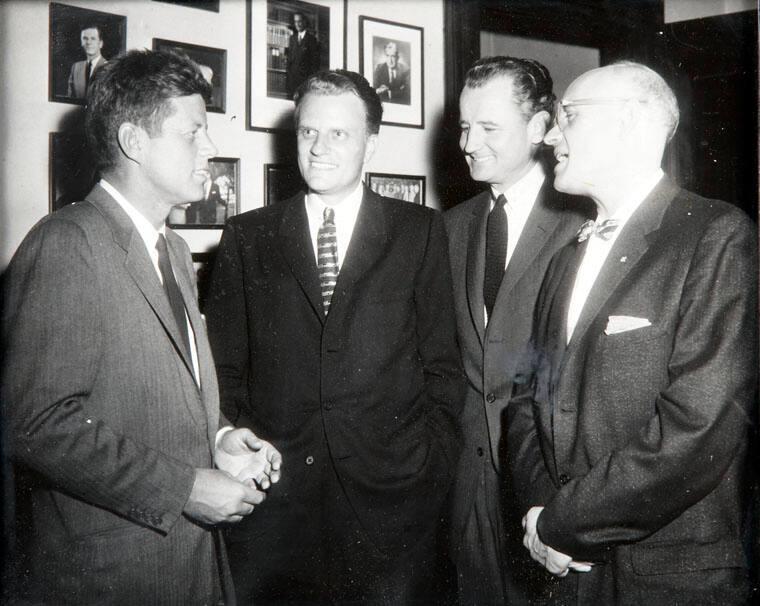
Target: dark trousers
314, 551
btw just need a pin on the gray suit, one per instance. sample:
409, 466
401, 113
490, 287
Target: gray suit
490, 355
103, 412
77, 85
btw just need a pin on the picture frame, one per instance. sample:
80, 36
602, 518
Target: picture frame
400, 82
221, 201
410, 188
281, 181
71, 170
206, 5
276, 63
71, 27
213, 62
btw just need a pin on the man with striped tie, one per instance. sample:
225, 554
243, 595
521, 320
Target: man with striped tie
332, 325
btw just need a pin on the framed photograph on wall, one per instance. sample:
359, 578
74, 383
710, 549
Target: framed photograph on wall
81, 41
410, 188
220, 202
391, 58
72, 172
213, 64
281, 181
206, 5
287, 41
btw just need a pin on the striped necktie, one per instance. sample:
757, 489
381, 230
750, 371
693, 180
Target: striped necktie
327, 257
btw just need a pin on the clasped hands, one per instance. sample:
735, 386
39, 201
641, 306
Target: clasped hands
247, 467
555, 562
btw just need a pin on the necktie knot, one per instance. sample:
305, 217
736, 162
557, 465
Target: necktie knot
500, 202
603, 230
328, 216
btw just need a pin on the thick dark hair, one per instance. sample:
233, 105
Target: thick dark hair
97, 28
136, 87
337, 82
531, 82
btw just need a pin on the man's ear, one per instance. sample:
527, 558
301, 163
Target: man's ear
538, 127
369, 149
132, 141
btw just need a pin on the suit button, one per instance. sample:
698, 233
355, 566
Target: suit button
310, 460
490, 398
564, 478
327, 406
480, 451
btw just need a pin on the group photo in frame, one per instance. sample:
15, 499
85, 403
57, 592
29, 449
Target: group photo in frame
220, 200
286, 42
81, 41
391, 59
206, 5
409, 188
213, 64
281, 181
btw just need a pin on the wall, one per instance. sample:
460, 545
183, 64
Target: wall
28, 117
564, 61
684, 10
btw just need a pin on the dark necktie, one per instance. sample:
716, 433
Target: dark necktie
87, 74
172, 291
393, 75
496, 252
327, 257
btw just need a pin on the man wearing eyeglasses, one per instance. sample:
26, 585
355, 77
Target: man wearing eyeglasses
500, 243
631, 432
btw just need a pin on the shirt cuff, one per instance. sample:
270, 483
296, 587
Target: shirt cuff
220, 433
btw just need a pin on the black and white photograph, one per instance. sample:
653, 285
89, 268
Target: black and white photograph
212, 63
81, 41
220, 200
391, 58
288, 40
410, 188
434, 303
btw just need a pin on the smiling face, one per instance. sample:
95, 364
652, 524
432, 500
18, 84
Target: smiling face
91, 42
497, 141
175, 161
299, 22
333, 144
587, 137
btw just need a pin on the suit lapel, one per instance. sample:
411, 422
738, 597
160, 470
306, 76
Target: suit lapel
368, 241
476, 254
297, 249
630, 246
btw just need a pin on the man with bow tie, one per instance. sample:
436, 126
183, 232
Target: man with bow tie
629, 433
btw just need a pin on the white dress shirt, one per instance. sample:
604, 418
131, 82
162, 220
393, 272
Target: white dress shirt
597, 249
345, 218
520, 200
149, 236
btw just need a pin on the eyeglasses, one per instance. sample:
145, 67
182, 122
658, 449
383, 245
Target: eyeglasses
561, 118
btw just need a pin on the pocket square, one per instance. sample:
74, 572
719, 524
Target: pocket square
616, 324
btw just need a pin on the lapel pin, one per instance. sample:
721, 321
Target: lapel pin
623, 259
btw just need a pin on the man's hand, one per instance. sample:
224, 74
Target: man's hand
217, 497
554, 561
245, 457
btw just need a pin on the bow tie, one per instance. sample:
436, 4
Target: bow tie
603, 230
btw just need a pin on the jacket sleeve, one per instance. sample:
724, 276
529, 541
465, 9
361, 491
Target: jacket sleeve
700, 420
226, 318
52, 333
437, 342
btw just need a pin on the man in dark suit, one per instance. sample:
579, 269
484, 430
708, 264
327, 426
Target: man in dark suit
505, 109
332, 324
82, 71
391, 79
303, 55
110, 399
630, 437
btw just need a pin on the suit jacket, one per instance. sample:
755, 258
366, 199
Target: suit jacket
375, 386
101, 405
491, 354
635, 441
77, 78
399, 88
303, 60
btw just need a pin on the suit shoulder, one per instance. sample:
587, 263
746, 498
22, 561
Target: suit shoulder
466, 208
265, 215
703, 214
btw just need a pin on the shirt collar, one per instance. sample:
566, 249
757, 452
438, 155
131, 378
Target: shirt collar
345, 211
634, 198
148, 233
525, 191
